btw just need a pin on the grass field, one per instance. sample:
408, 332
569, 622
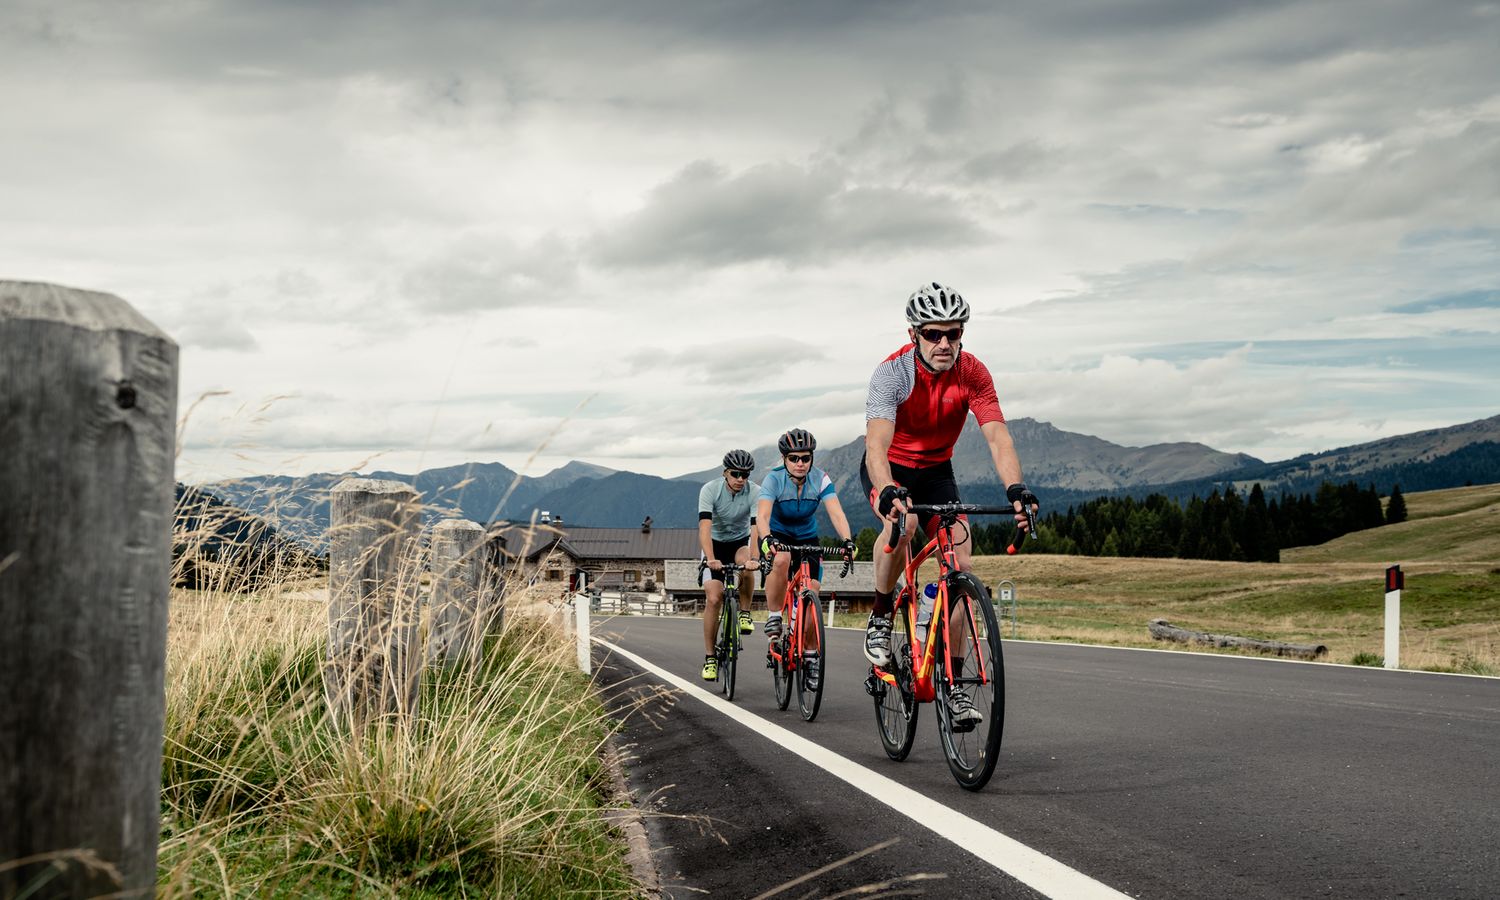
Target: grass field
1332, 594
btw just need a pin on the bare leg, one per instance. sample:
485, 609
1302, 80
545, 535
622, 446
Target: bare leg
713, 598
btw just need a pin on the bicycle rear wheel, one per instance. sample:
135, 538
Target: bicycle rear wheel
895, 707
972, 754
810, 698
729, 635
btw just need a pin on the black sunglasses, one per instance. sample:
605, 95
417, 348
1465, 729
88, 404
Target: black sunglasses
738, 473
799, 457
934, 335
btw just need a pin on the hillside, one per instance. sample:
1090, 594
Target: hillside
1460, 525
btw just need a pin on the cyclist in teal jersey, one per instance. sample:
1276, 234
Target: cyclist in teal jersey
790, 496
726, 519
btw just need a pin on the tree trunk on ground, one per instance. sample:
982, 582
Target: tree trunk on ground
1163, 630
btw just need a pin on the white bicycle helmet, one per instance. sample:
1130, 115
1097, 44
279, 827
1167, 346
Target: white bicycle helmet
935, 303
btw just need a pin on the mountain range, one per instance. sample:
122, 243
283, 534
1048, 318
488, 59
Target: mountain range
1062, 467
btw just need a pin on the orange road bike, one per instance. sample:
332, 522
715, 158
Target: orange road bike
787, 655
955, 647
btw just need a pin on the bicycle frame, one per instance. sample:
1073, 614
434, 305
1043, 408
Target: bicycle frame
791, 606
923, 653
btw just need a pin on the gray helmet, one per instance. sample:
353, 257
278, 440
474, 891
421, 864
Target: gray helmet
935, 303
739, 459
795, 440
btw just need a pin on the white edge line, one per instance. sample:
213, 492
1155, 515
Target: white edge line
1036, 870
1204, 654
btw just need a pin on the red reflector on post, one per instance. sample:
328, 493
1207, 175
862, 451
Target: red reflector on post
1394, 579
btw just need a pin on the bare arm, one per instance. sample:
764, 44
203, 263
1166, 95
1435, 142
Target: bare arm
706, 542
878, 436
762, 520
1003, 452
837, 517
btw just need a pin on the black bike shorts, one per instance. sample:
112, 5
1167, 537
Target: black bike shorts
814, 560
934, 484
724, 552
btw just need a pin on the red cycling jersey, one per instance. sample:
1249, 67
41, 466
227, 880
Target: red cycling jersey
929, 408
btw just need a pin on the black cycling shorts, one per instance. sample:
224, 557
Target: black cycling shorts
724, 552
934, 484
814, 560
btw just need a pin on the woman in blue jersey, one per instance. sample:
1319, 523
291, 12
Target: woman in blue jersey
787, 512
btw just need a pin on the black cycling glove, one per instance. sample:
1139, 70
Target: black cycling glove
1021, 492
888, 495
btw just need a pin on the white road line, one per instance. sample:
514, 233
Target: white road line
1036, 870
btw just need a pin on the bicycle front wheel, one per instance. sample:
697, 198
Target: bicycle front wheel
730, 635
809, 698
895, 707
971, 663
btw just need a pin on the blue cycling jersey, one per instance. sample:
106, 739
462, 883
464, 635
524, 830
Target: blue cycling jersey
794, 508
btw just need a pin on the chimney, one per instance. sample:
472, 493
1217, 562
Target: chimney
646, 526
557, 519
546, 517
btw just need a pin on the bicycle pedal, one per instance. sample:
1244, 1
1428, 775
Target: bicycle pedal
874, 686
962, 727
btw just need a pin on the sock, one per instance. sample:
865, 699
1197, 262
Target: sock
885, 604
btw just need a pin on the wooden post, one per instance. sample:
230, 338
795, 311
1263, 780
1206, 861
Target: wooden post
374, 661
457, 629
88, 409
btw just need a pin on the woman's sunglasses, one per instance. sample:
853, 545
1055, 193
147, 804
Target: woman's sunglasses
799, 457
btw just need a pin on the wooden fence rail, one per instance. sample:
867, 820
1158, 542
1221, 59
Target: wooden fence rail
88, 409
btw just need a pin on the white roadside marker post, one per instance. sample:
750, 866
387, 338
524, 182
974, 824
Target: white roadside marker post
581, 607
1394, 581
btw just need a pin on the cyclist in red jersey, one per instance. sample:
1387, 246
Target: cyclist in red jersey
918, 401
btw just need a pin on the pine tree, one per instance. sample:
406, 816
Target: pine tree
1395, 508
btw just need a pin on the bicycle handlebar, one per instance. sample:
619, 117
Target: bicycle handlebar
825, 552
948, 513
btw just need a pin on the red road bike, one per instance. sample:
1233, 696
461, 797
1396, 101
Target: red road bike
957, 649
787, 655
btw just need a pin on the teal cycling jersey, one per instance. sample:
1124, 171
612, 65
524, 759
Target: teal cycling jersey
794, 508
730, 514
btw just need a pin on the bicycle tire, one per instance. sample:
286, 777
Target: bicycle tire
896, 707
781, 674
731, 638
972, 755
810, 699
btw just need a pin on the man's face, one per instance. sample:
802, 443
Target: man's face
798, 462
939, 342
736, 478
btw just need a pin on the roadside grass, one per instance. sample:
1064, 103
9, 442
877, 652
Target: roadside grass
495, 790
1332, 594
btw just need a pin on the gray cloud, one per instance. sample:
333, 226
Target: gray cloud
727, 362
780, 212
492, 274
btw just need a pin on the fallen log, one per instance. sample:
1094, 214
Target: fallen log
1163, 630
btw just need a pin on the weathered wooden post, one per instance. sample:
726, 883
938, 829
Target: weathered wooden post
374, 661
457, 629
88, 409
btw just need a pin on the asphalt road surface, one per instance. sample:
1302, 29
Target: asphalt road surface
1152, 774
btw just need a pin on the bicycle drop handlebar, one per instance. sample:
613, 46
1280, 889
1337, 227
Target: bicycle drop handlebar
948, 513
836, 552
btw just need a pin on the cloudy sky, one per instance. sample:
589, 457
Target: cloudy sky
406, 235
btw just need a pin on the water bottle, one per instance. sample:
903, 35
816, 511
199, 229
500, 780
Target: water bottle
924, 610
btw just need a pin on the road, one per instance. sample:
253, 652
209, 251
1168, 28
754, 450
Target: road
1153, 774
